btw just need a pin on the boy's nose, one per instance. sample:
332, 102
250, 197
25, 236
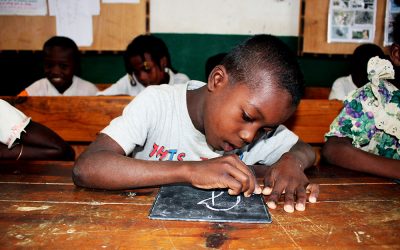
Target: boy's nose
143, 76
55, 70
247, 135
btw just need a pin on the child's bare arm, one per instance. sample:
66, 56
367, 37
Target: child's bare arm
357, 159
287, 176
103, 165
39, 143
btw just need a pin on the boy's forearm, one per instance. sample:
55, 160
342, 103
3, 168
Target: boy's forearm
107, 170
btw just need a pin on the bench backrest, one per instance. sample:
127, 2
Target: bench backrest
316, 93
75, 119
313, 118
79, 119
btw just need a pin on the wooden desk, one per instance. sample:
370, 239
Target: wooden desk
41, 208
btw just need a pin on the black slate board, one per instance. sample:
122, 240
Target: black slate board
191, 204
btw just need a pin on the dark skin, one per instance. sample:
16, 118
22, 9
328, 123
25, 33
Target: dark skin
59, 67
357, 159
148, 72
39, 143
104, 165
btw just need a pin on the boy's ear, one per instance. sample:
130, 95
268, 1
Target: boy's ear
395, 54
217, 78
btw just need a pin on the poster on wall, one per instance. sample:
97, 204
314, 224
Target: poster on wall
23, 7
74, 19
392, 9
351, 21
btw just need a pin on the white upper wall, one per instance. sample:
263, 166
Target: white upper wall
242, 17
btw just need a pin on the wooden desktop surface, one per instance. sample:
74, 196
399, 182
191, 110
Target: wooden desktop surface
40, 208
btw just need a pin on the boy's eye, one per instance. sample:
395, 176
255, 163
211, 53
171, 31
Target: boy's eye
246, 117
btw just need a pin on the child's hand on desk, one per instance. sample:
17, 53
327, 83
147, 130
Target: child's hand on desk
285, 177
224, 172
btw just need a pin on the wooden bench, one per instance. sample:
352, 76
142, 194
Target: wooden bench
103, 86
309, 93
76, 119
313, 118
316, 93
79, 119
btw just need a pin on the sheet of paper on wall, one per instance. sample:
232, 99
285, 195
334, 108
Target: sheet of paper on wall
392, 9
121, 1
23, 7
351, 21
74, 19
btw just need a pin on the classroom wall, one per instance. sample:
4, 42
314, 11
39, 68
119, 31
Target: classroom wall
193, 30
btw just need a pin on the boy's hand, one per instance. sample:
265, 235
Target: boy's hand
287, 177
224, 172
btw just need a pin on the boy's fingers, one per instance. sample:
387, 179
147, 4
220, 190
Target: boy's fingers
234, 187
314, 192
266, 190
301, 199
268, 185
289, 200
274, 197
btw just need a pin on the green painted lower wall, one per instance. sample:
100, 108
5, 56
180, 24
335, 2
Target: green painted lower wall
189, 53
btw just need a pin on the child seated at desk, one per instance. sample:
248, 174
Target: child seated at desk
36, 143
358, 73
194, 132
366, 134
61, 63
147, 62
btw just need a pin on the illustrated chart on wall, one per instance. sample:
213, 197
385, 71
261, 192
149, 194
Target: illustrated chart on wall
191, 204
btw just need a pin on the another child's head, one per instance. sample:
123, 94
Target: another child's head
256, 88
395, 50
359, 62
61, 61
148, 59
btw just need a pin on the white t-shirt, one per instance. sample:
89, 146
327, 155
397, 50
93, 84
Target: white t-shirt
341, 88
131, 86
79, 87
13, 122
156, 126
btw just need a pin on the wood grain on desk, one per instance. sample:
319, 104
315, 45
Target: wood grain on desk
41, 208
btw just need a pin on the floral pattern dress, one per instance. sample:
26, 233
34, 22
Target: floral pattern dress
371, 114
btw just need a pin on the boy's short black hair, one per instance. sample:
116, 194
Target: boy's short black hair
146, 44
267, 54
66, 43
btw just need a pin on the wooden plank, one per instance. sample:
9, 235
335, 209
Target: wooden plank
316, 29
313, 118
68, 193
60, 215
103, 86
113, 29
316, 93
350, 224
75, 118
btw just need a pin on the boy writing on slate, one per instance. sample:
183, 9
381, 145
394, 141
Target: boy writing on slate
192, 133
